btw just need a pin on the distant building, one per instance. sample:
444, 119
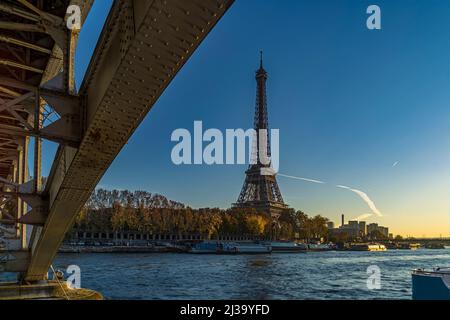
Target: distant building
351, 229
353, 223
358, 229
330, 225
384, 231
374, 227
362, 229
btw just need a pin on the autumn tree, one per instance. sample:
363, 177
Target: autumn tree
141, 211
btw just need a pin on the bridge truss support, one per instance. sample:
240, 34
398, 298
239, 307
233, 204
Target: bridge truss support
37, 101
142, 47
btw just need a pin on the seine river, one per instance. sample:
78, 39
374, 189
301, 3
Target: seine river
313, 275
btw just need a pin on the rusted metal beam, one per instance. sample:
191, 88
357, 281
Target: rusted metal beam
15, 26
6, 143
16, 84
11, 103
65, 130
10, 92
24, 204
24, 44
42, 14
64, 139
20, 66
14, 10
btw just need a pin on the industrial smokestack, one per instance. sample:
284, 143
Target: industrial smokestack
342, 222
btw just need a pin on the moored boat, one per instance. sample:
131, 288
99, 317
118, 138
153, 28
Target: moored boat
286, 246
204, 247
225, 247
367, 247
321, 247
435, 246
391, 245
402, 245
247, 248
431, 285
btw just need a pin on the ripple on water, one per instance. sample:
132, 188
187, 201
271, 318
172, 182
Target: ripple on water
316, 275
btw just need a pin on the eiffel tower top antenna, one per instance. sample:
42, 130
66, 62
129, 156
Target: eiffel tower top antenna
261, 60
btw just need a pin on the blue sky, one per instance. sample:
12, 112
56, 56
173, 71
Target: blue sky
349, 103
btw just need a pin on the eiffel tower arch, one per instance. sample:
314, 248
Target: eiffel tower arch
261, 192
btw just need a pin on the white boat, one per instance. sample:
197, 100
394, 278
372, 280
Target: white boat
286, 246
368, 247
431, 285
376, 247
249, 248
204, 247
225, 247
321, 247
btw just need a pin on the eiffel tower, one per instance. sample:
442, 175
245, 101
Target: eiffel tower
261, 192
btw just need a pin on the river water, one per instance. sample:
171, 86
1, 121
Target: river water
312, 275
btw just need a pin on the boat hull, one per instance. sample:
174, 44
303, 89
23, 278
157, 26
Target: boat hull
288, 250
430, 286
229, 248
286, 247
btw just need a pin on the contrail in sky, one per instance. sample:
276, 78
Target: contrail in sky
366, 199
360, 193
363, 216
300, 178
395, 163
